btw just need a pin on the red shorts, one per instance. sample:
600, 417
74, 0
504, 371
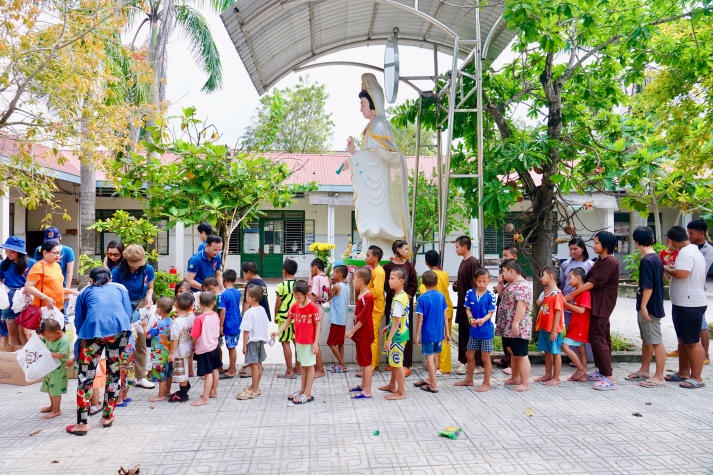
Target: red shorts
336, 334
363, 352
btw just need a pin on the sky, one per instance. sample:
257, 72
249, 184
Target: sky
231, 108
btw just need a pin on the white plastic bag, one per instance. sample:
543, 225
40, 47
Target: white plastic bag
4, 299
54, 313
35, 359
20, 300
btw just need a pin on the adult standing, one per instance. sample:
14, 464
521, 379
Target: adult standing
204, 230
45, 282
697, 230
688, 304
578, 257
205, 263
66, 259
13, 274
103, 322
603, 282
402, 252
114, 255
138, 278
465, 282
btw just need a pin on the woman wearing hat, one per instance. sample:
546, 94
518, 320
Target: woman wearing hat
13, 273
138, 278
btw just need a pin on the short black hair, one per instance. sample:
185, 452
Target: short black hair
318, 263
511, 249
464, 241
433, 258
643, 235
376, 251
677, 234
553, 272
480, 272
301, 287
205, 228
429, 279
364, 93
210, 282
607, 240
342, 270
400, 272
513, 265
255, 292
185, 301
579, 272
212, 239
229, 275
363, 273
165, 304
698, 225
207, 299
49, 325
250, 267
290, 266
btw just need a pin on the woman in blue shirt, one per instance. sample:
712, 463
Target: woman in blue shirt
13, 273
102, 320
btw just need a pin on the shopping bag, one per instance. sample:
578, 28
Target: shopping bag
35, 359
53, 313
4, 299
20, 300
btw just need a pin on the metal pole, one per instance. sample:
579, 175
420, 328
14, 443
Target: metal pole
479, 125
414, 192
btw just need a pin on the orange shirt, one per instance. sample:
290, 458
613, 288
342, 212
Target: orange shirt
553, 301
49, 280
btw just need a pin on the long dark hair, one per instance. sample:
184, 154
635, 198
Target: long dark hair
20, 265
580, 244
99, 276
126, 272
119, 246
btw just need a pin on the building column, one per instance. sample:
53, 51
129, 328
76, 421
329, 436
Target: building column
5, 216
475, 239
330, 222
609, 220
180, 248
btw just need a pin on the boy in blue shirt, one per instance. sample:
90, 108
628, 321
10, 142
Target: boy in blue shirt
230, 319
339, 305
479, 306
431, 327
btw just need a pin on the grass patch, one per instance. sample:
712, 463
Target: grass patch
620, 343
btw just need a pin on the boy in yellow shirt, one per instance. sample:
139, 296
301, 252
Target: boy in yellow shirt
376, 287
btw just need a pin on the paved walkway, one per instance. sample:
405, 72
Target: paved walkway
570, 428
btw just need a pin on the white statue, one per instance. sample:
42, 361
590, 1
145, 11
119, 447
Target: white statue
379, 175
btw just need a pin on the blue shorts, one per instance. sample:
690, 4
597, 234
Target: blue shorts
544, 343
431, 348
231, 341
3, 328
571, 342
704, 323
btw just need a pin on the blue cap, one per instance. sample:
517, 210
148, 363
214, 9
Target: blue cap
16, 244
51, 234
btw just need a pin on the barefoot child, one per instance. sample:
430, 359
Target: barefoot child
578, 329
363, 332
396, 336
339, 304
480, 307
319, 293
254, 328
205, 335
431, 328
160, 333
283, 301
181, 345
549, 324
230, 319
54, 383
306, 317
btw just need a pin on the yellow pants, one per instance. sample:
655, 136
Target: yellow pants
444, 360
375, 348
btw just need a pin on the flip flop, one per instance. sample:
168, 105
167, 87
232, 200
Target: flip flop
674, 378
123, 404
93, 410
285, 376
337, 369
293, 395
651, 384
635, 377
302, 399
691, 383
75, 432
427, 387
108, 424
355, 389
420, 383
127, 399
360, 396
225, 376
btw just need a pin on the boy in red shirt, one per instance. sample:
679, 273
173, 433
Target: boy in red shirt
549, 324
363, 331
578, 329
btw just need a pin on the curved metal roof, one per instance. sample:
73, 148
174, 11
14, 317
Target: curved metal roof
273, 37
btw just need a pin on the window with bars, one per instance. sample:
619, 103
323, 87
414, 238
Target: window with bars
294, 236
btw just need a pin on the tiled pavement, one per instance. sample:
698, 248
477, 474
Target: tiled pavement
569, 429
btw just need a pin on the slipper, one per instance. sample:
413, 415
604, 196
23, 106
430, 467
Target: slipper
360, 396
127, 399
224, 375
674, 378
70, 430
507, 371
302, 399
635, 377
337, 369
355, 389
595, 376
651, 384
108, 424
604, 384
123, 404
94, 410
245, 373
427, 387
293, 395
176, 397
691, 383
420, 383
285, 376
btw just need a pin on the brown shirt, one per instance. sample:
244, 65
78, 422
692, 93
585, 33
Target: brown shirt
466, 275
604, 275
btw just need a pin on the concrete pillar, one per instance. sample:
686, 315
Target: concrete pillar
330, 222
609, 220
180, 263
475, 239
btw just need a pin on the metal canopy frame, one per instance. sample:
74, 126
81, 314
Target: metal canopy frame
277, 37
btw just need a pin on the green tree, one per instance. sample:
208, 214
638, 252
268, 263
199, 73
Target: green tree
292, 119
405, 132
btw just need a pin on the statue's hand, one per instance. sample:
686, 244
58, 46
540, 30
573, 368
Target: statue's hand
350, 146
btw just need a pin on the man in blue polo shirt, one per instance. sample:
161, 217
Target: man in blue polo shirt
205, 263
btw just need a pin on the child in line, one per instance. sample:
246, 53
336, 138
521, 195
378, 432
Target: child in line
376, 288
339, 304
433, 262
185, 287
251, 275
307, 320
319, 294
396, 335
160, 333
431, 328
363, 332
230, 319
578, 329
283, 302
549, 324
480, 307
254, 328
205, 335
181, 345
54, 383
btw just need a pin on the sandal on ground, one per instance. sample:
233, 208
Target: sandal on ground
674, 378
650, 383
70, 430
427, 387
636, 377
595, 376
286, 376
123, 404
691, 383
360, 395
245, 373
604, 385
225, 375
106, 425
247, 394
337, 369
94, 410
355, 389
176, 397
293, 395
302, 399
420, 383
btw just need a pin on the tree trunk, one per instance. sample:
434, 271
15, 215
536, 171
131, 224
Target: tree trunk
655, 210
87, 204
